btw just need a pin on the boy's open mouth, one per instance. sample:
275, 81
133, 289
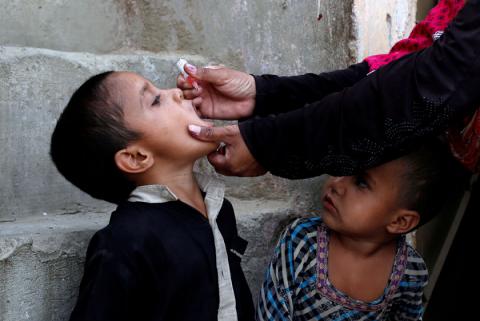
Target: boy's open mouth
196, 110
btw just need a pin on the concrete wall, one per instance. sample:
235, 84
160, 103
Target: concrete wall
261, 36
87, 25
381, 23
49, 47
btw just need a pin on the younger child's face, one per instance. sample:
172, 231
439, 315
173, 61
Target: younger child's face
364, 204
161, 116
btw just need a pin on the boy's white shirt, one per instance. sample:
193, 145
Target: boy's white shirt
214, 190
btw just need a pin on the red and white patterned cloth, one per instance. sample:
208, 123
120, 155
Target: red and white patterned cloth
423, 35
464, 142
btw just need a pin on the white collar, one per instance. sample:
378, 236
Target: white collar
210, 185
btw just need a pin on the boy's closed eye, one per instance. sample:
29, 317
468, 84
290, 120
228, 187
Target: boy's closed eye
361, 181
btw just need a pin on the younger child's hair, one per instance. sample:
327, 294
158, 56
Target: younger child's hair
432, 176
86, 137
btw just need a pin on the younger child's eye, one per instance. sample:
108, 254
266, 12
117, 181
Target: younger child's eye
361, 182
156, 101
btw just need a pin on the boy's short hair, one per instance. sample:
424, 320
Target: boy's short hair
431, 175
86, 138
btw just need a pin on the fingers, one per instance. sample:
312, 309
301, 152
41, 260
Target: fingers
192, 93
212, 74
197, 103
182, 83
235, 160
232, 158
219, 161
214, 134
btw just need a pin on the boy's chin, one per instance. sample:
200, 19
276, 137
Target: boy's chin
210, 147
204, 148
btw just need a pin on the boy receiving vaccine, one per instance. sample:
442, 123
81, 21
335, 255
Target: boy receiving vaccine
353, 262
170, 250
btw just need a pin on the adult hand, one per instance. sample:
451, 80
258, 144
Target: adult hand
222, 93
232, 159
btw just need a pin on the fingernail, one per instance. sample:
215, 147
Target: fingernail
194, 129
191, 68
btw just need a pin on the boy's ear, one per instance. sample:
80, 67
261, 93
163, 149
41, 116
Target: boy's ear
134, 160
403, 221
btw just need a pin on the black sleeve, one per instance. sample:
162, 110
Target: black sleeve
381, 116
275, 95
108, 286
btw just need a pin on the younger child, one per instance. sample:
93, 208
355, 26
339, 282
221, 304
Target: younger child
170, 251
353, 262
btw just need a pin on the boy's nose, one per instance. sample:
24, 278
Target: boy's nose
337, 185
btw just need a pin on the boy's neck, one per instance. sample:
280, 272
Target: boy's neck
363, 247
359, 267
181, 181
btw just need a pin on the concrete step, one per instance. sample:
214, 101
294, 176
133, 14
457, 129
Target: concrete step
41, 257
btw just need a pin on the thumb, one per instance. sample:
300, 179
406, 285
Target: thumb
213, 134
212, 74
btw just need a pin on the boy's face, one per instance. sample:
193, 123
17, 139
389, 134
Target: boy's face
364, 204
161, 116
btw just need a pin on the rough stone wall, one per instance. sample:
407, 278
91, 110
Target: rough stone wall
381, 23
260, 36
49, 47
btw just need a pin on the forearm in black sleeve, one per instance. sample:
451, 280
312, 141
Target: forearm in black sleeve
275, 95
380, 117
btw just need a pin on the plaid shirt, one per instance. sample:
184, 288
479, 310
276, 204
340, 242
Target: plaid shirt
296, 286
